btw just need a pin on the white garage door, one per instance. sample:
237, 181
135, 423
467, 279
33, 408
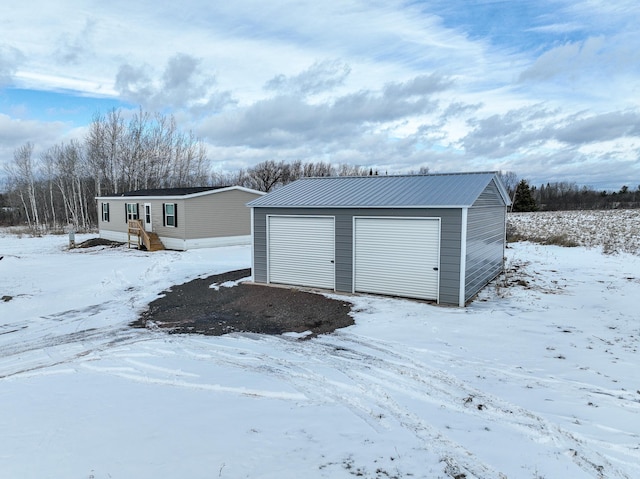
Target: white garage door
397, 256
301, 250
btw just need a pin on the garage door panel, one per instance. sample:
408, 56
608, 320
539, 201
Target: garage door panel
301, 251
397, 256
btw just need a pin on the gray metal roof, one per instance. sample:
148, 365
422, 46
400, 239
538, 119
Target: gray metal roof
414, 191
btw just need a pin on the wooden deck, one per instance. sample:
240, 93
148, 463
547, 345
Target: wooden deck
137, 235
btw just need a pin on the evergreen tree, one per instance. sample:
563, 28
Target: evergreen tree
524, 200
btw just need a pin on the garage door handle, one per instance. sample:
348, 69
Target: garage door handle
435, 269
332, 261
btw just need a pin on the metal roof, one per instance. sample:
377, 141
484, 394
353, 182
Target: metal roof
412, 191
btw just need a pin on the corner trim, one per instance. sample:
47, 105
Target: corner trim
463, 256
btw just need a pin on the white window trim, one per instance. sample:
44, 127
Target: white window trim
105, 212
167, 216
132, 215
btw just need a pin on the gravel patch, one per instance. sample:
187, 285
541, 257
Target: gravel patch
232, 306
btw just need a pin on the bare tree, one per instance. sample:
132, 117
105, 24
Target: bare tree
147, 151
423, 170
351, 170
266, 175
509, 180
48, 162
22, 176
104, 151
318, 169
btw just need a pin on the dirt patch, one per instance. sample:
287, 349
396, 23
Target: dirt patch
93, 242
196, 307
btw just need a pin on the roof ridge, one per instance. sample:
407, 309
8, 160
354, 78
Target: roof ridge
406, 175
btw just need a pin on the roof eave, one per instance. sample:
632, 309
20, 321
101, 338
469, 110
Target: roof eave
362, 206
182, 197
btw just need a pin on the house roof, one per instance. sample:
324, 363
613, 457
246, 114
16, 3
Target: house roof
178, 193
166, 191
411, 191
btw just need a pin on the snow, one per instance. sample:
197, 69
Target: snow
537, 378
613, 231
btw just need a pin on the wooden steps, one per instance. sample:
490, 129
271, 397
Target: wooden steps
154, 242
143, 239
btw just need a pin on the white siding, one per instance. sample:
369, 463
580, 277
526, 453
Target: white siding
301, 250
397, 256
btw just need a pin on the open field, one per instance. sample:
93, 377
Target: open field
536, 379
612, 231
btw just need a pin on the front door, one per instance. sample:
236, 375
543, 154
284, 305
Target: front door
147, 217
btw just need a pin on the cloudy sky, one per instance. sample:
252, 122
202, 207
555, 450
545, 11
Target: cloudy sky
549, 89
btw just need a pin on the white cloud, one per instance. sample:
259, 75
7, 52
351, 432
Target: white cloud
182, 85
72, 49
571, 59
354, 80
289, 118
15, 133
319, 77
10, 60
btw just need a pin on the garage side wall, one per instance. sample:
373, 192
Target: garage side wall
449, 246
485, 241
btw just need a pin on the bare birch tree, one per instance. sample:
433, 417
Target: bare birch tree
22, 174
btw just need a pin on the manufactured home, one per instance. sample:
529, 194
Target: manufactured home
179, 218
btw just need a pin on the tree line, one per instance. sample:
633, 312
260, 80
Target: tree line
270, 174
569, 196
57, 188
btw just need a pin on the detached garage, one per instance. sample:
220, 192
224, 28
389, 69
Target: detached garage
433, 237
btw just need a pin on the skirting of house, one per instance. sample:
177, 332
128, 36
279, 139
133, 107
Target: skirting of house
183, 245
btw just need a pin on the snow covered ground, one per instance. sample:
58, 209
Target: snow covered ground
612, 231
538, 378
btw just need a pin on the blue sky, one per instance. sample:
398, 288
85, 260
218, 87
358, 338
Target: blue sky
548, 89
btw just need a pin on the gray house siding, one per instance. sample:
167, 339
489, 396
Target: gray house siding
118, 219
221, 214
117, 215
449, 242
202, 219
157, 210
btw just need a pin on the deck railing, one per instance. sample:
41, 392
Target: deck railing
136, 229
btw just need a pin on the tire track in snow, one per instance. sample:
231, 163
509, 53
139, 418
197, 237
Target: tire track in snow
371, 370
43, 350
444, 386
371, 403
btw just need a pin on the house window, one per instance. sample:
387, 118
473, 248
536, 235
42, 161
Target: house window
105, 212
132, 211
170, 214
